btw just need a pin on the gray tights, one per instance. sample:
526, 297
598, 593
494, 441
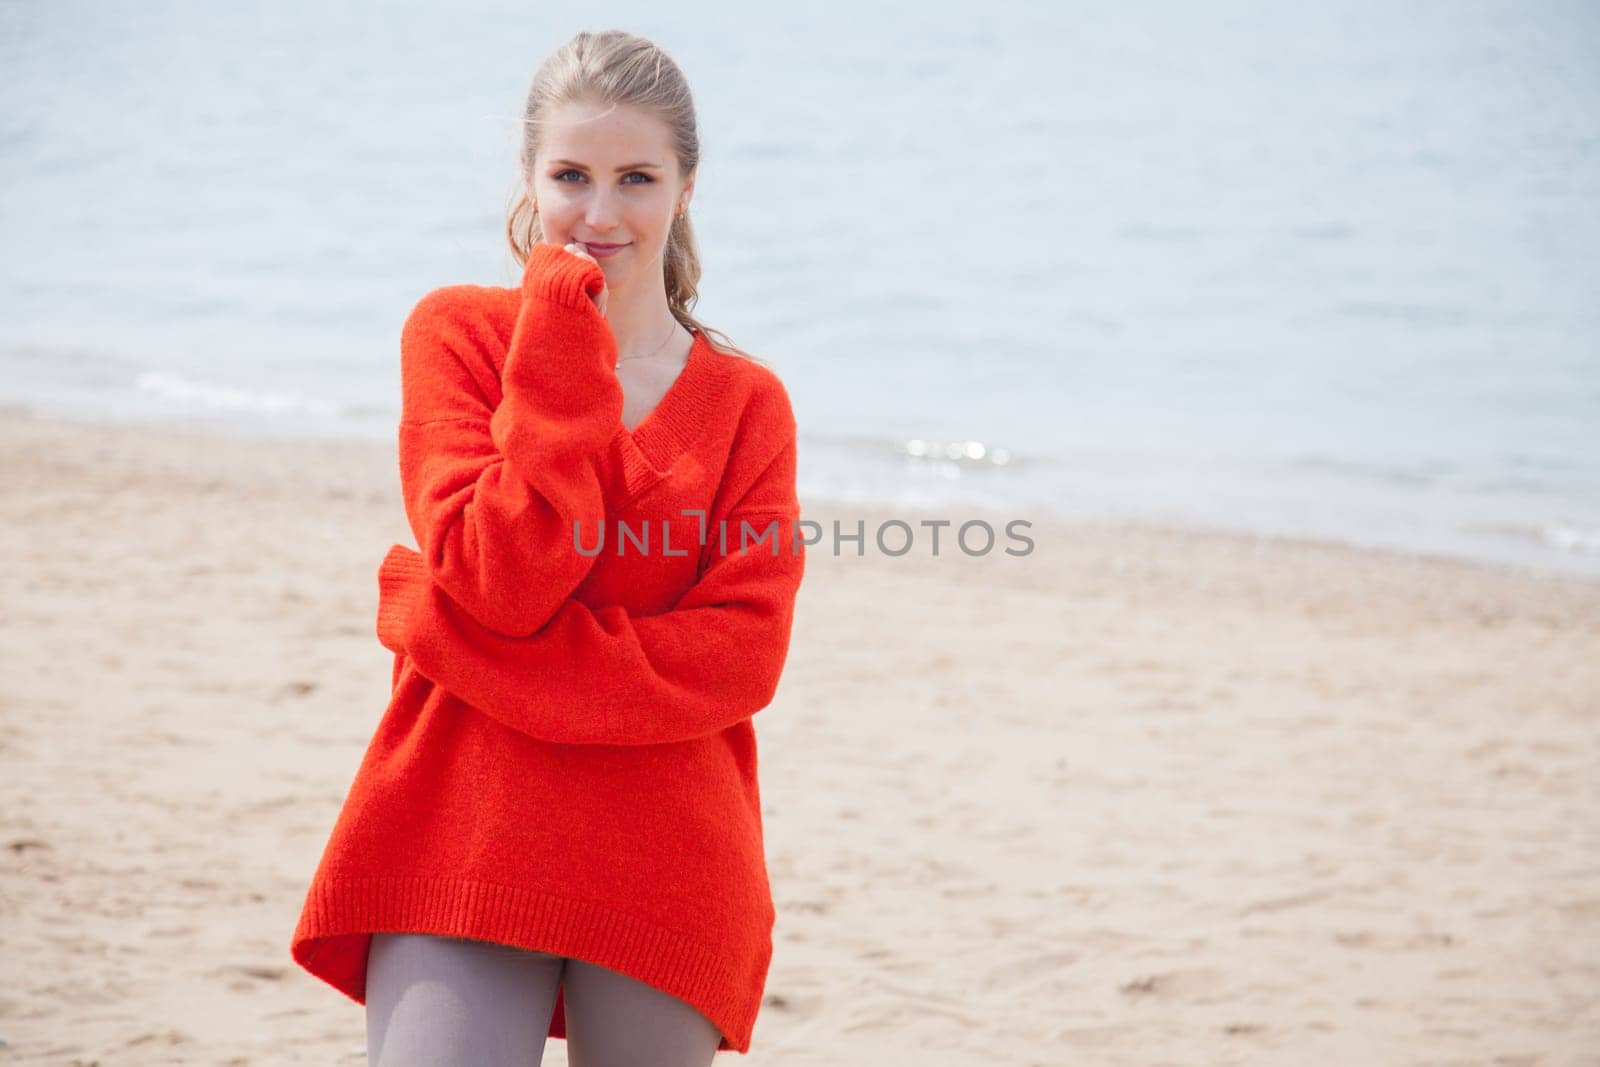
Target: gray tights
455, 1002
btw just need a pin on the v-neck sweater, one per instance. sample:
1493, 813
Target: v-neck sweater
568, 761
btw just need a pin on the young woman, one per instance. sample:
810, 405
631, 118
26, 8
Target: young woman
556, 828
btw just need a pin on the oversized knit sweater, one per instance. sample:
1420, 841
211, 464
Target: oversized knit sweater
567, 761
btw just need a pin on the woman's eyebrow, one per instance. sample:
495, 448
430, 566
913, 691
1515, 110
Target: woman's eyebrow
625, 166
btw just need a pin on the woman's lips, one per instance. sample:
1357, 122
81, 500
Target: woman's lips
601, 251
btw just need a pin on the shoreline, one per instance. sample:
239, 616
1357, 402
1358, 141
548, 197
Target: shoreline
1578, 571
1148, 793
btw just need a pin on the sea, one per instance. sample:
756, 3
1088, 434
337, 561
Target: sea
1325, 270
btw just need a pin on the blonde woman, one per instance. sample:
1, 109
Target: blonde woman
556, 828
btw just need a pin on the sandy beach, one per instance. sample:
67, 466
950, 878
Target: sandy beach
1142, 796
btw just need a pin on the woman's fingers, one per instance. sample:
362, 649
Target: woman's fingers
599, 298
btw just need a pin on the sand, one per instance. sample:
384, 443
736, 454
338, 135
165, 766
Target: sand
1143, 796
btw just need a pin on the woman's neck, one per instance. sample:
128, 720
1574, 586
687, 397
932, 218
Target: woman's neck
641, 325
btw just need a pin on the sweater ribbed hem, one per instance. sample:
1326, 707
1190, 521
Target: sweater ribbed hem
341, 914
399, 587
553, 273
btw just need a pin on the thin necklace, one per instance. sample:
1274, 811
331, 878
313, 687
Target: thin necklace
658, 347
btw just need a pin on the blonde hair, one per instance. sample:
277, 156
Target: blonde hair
616, 68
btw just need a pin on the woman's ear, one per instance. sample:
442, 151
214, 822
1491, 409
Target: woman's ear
688, 192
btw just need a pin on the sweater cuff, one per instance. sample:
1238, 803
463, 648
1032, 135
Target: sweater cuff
552, 273
402, 580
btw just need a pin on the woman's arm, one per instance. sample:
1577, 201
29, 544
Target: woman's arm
492, 491
602, 676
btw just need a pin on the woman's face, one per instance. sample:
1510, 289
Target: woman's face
608, 176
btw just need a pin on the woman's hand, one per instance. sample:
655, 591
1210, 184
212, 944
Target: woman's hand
599, 298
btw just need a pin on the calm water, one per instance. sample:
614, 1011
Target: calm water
1327, 270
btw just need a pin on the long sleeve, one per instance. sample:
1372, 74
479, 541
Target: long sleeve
492, 490
603, 676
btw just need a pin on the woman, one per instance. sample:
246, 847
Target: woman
556, 828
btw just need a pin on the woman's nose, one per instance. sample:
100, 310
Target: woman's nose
602, 212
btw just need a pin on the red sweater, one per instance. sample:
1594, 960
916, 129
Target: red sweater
567, 762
